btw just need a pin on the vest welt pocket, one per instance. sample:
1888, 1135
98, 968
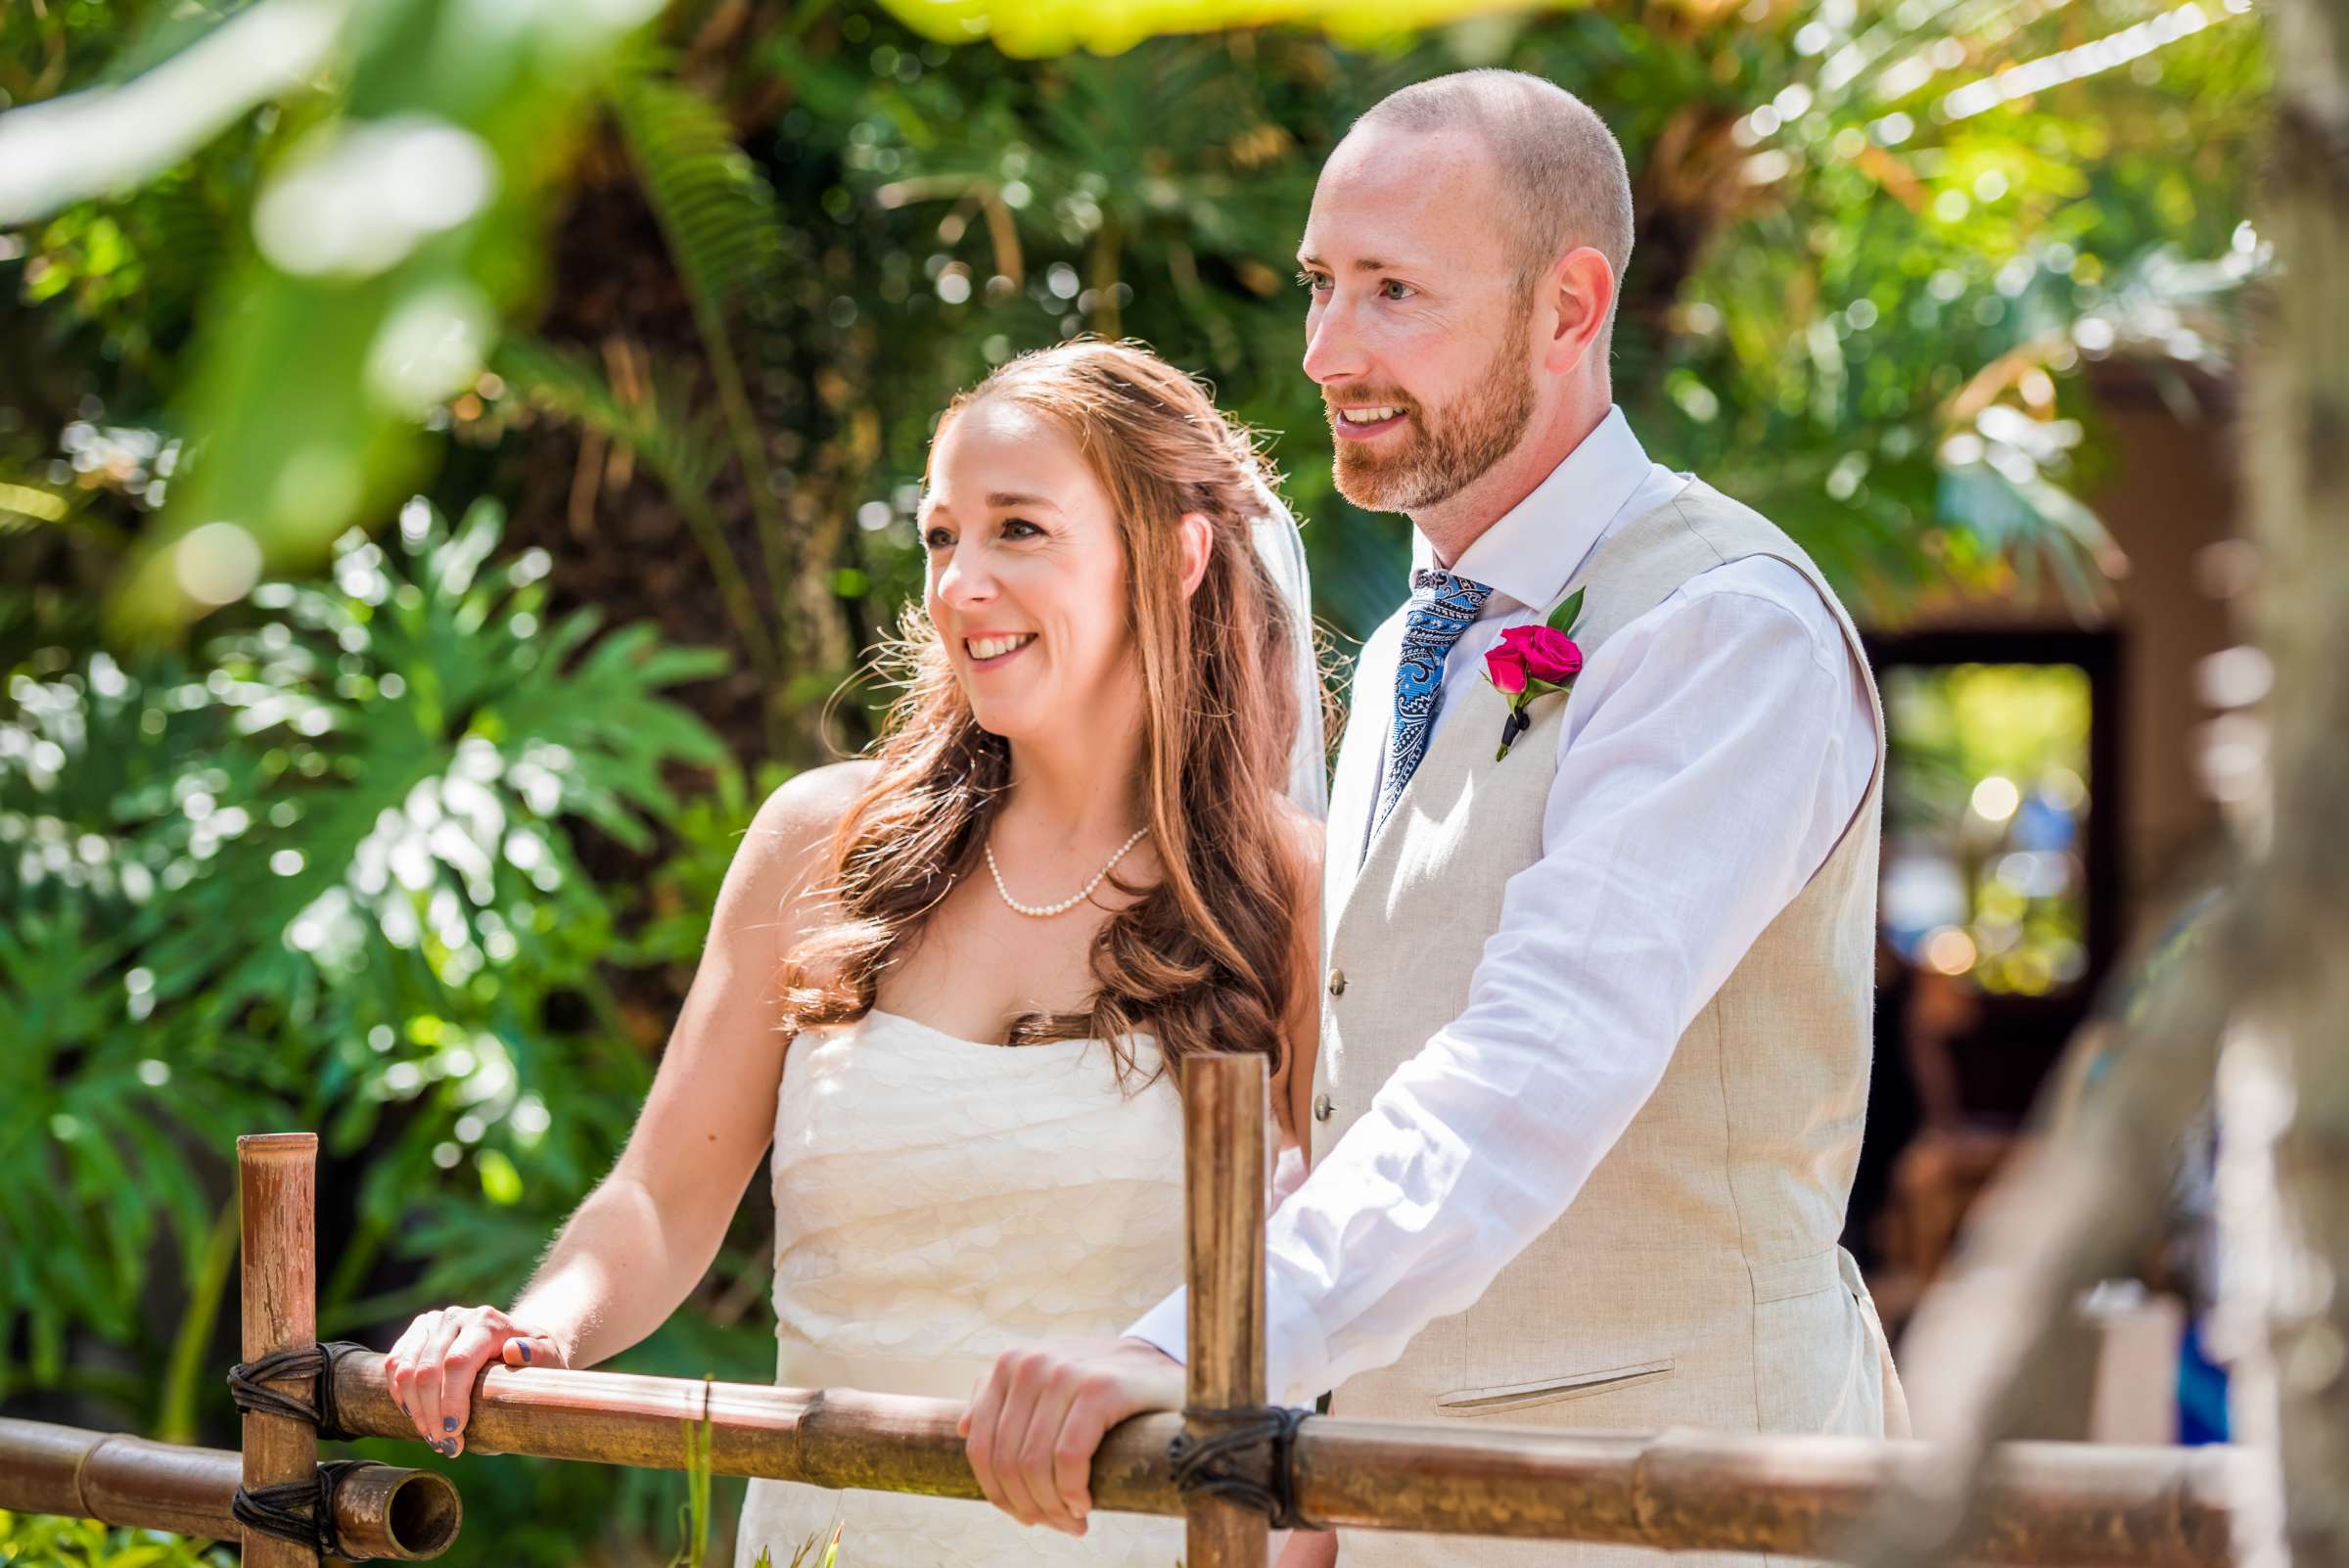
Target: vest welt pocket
1796, 1276
1501, 1397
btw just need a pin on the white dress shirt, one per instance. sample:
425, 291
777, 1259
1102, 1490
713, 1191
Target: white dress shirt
1711, 755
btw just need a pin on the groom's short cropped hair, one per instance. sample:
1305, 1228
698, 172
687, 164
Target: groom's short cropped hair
1561, 168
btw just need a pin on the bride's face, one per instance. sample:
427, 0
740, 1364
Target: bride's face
1027, 577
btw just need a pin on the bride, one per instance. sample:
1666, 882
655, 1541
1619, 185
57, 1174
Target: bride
954, 982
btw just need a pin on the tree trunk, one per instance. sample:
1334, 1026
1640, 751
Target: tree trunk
2298, 482
2270, 977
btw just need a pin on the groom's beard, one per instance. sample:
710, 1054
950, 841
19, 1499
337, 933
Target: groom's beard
1440, 452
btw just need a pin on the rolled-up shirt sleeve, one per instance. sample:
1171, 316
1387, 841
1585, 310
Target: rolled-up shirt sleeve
1713, 753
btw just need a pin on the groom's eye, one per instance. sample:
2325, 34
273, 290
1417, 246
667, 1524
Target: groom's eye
1395, 289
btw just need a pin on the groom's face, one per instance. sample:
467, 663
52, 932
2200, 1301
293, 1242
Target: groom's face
1420, 329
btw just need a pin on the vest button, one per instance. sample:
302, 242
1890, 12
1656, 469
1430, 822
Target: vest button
1321, 1107
1337, 983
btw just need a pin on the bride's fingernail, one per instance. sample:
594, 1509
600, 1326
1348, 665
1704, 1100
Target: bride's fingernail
526, 1349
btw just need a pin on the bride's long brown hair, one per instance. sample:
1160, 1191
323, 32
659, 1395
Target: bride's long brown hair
1203, 959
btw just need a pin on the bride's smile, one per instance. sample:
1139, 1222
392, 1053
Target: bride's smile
988, 651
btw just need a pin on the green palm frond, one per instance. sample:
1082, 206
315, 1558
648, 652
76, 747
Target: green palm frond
720, 218
717, 210
682, 448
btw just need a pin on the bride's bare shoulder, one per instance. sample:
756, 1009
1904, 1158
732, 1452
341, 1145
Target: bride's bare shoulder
793, 831
815, 800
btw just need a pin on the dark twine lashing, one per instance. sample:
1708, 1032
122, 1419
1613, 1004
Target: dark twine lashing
299, 1511
247, 1385
1211, 1466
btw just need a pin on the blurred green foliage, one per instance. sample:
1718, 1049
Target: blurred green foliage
325, 871
43, 1541
397, 845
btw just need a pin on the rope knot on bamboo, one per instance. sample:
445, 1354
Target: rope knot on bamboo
301, 1511
249, 1385
1228, 1464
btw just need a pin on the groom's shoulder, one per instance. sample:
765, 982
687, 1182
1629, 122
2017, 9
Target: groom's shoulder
1752, 555
1731, 527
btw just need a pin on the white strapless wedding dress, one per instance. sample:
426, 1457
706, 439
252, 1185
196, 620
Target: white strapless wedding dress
937, 1201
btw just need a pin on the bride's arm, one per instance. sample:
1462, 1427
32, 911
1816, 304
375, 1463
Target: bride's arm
648, 1232
641, 1240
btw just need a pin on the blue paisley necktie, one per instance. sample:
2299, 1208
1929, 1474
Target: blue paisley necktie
1442, 608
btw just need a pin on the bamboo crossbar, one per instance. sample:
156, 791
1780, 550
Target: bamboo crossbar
389, 1512
2046, 1504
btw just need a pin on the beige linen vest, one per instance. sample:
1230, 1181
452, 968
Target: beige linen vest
1695, 1280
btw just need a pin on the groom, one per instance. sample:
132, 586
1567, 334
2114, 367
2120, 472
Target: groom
1594, 1043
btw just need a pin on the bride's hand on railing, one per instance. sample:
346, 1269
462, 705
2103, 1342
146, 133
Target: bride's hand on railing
430, 1371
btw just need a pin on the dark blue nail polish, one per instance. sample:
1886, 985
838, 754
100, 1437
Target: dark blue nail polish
526, 1349
448, 1423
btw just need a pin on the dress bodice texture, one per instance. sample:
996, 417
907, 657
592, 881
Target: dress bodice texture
939, 1200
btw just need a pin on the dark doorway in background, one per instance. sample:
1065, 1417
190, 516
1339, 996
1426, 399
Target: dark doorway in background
2002, 855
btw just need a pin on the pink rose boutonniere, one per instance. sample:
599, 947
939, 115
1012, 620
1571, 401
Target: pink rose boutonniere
1533, 661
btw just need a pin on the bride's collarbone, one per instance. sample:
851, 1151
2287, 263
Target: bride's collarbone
974, 971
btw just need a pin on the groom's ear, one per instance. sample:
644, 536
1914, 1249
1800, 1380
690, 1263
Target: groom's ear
1581, 290
1195, 541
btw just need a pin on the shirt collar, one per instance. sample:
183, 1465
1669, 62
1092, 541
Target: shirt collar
1533, 550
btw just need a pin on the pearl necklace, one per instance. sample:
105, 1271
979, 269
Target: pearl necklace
1046, 911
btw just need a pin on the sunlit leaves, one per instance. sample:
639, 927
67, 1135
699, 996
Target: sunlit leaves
327, 875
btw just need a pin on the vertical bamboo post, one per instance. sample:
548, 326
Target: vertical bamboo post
1224, 1150
276, 1210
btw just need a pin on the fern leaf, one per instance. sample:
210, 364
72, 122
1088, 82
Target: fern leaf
716, 210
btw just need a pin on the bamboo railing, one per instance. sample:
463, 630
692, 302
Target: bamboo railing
2042, 1505
384, 1511
2047, 1503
